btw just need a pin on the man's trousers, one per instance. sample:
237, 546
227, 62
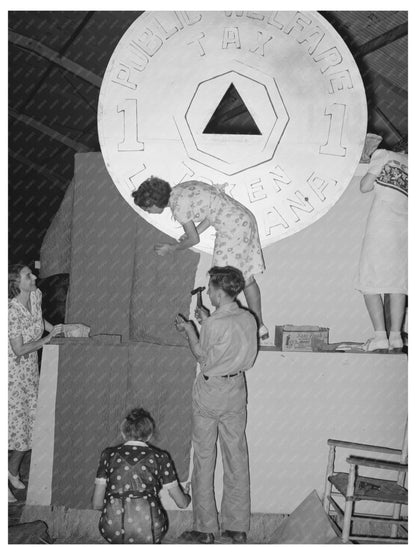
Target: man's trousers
220, 411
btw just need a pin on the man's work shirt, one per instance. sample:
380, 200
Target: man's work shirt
228, 341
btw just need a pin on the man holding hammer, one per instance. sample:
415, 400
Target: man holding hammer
225, 349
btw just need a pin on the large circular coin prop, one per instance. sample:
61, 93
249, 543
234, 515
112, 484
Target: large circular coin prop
270, 103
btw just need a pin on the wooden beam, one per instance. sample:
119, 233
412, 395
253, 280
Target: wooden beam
78, 147
382, 40
54, 57
378, 78
41, 170
388, 123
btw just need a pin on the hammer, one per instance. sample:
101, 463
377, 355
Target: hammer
198, 292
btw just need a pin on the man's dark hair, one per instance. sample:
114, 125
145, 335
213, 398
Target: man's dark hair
227, 278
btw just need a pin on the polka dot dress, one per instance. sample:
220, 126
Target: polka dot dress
134, 473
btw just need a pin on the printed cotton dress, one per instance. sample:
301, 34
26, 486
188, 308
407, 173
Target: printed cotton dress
134, 474
23, 371
237, 240
383, 261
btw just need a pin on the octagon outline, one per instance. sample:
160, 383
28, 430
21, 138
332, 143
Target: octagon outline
264, 154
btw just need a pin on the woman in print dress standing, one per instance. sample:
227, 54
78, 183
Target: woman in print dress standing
26, 326
237, 240
129, 479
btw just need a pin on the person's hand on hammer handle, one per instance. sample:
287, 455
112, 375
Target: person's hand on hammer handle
201, 314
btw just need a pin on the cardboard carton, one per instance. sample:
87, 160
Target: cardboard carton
299, 338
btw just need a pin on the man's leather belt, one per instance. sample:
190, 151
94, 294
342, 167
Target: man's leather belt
226, 375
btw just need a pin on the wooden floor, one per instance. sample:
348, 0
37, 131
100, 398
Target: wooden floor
262, 528
16, 509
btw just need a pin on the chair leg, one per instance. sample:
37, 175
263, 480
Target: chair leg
396, 514
349, 504
346, 528
329, 472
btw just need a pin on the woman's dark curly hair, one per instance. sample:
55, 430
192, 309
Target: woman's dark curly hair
152, 192
138, 425
227, 278
14, 279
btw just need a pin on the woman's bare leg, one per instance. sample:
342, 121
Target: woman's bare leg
375, 307
15, 460
253, 298
397, 311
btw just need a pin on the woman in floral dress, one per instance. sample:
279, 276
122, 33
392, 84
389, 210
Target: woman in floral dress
26, 326
129, 479
383, 260
237, 240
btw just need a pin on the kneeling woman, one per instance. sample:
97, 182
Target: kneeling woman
237, 240
129, 479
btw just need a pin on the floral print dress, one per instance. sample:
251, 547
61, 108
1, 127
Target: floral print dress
237, 240
134, 474
23, 371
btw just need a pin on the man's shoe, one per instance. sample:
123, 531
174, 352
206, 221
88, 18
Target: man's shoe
192, 536
236, 537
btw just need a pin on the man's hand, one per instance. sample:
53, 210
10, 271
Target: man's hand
187, 326
182, 324
201, 314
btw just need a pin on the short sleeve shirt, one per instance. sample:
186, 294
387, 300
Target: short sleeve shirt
228, 341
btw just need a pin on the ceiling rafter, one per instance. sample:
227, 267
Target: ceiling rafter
41, 170
54, 57
400, 91
389, 124
384, 39
55, 135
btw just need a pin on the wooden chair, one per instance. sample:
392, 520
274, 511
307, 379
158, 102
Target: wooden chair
354, 487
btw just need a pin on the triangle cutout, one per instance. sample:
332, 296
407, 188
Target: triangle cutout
232, 117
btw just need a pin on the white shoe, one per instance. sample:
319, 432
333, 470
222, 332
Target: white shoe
264, 337
374, 344
12, 498
268, 342
15, 482
263, 332
396, 344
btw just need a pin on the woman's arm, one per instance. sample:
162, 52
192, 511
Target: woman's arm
48, 325
203, 226
367, 182
192, 239
181, 498
98, 496
19, 348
